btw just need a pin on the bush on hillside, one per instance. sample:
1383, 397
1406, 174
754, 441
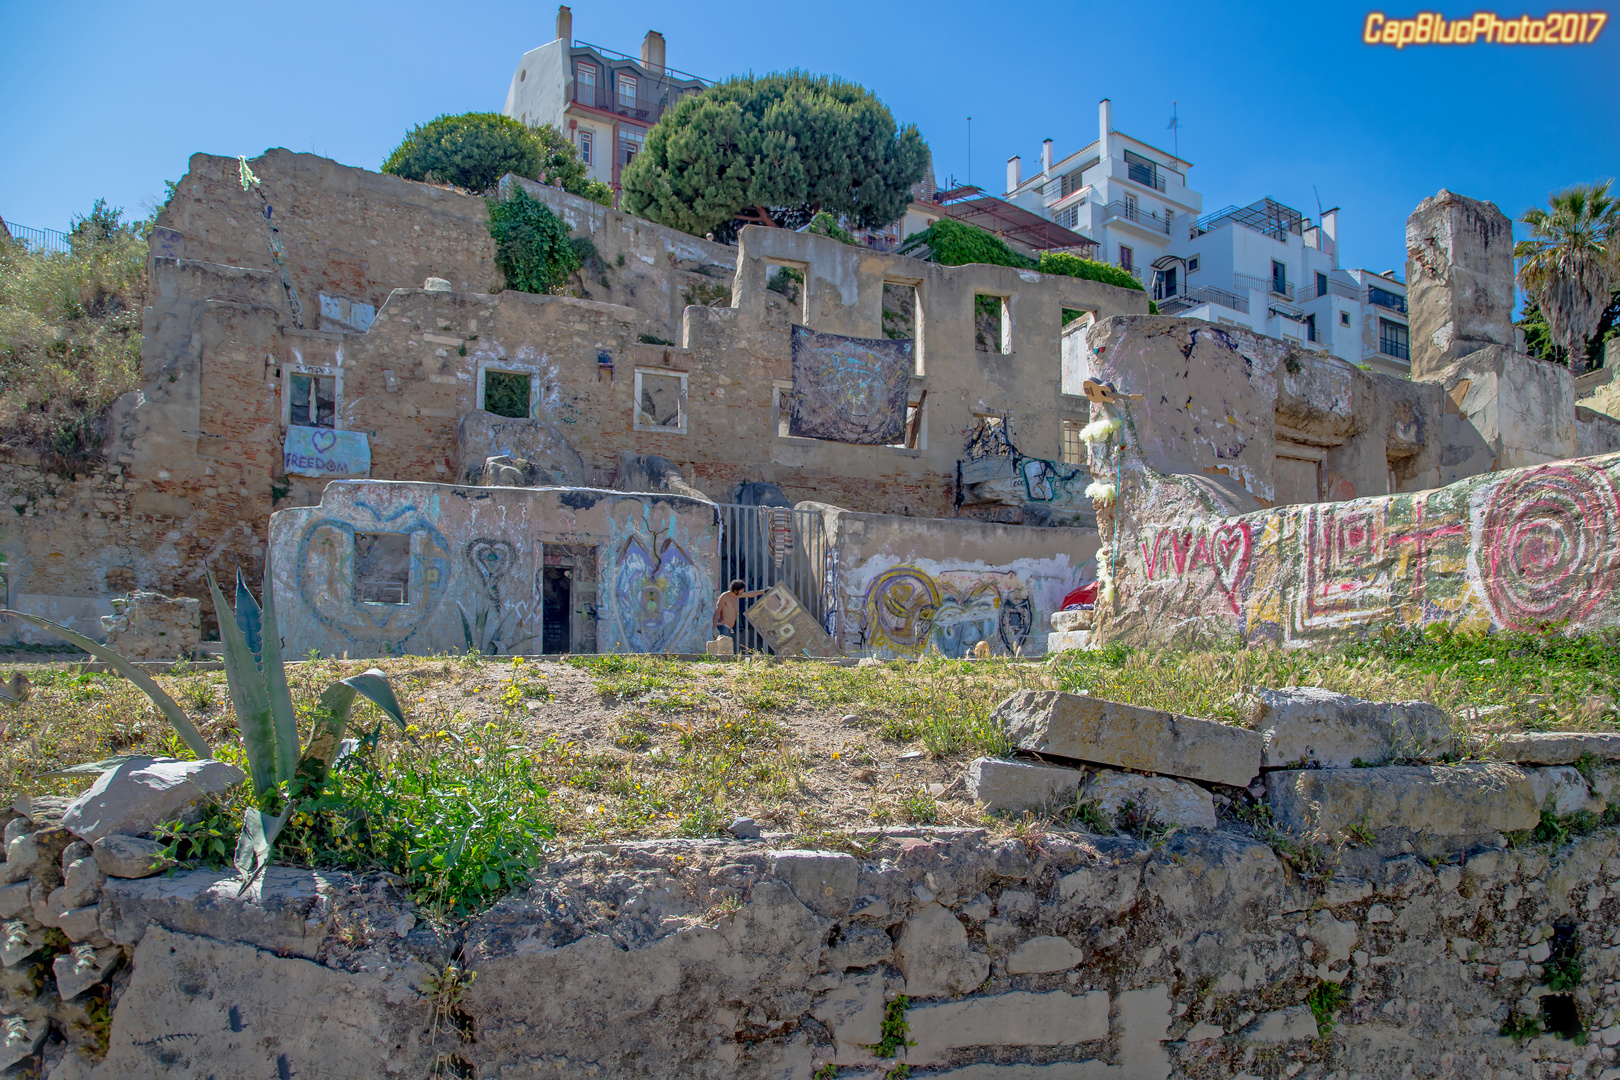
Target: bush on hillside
955, 243
474, 150
70, 335
533, 250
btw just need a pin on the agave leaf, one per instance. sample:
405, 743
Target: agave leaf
374, 687
248, 697
466, 628
283, 719
248, 618
331, 719
104, 765
165, 704
259, 832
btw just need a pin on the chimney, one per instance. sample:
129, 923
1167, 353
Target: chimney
652, 52
1015, 171
1105, 125
565, 25
1046, 156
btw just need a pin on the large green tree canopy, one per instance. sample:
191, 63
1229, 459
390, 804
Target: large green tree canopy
789, 144
474, 150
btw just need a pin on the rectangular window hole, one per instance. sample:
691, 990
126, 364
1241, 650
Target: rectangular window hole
382, 568
992, 328
899, 311
660, 401
1072, 451
506, 393
313, 401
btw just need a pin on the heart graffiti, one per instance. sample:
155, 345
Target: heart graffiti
1226, 549
323, 440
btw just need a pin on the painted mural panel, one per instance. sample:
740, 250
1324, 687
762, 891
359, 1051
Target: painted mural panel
849, 389
1514, 550
474, 578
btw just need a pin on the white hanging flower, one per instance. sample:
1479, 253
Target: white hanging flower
1101, 490
1100, 430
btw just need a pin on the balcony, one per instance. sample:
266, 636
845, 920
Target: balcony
1385, 299
1204, 294
1270, 286
1335, 288
1267, 216
1134, 213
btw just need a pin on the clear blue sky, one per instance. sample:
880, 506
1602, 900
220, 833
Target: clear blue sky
102, 99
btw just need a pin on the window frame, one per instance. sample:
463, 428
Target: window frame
511, 369
587, 145
1192, 264
314, 371
1279, 273
1385, 339
683, 408
621, 79
1127, 257
405, 586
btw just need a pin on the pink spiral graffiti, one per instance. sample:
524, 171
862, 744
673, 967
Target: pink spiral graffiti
1548, 547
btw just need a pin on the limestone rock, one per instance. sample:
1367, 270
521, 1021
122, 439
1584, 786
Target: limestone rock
1442, 800
934, 955
19, 941
13, 900
287, 912
860, 947
853, 1013
824, 881
82, 968
83, 924
18, 1039
40, 810
1170, 802
650, 472
1555, 747
1042, 954
152, 626
123, 856
199, 1007
81, 882
1311, 726
1336, 937
1065, 640
504, 470
1017, 786
135, 796
1111, 733
1020, 1018
535, 441
744, 828
1283, 1025
1077, 619
1560, 788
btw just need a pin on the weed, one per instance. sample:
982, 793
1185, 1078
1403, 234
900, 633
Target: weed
1325, 1000
920, 808
828, 1071
447, 988
1563, 969
1362, 831
210, 841
894, 1029
1090, 815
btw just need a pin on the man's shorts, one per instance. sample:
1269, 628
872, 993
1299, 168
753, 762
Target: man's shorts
726, 631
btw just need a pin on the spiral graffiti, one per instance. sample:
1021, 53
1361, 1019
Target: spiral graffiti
1548, 546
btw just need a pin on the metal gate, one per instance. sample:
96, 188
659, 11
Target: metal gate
764, 545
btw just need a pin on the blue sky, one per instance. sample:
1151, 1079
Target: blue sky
110, 99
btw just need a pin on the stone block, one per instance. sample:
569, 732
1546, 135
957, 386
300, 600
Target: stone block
1306, 725
1018, 786
134, 797
1089, 1069
1020, 1018
82, 968
1170, 802
860, 947
1077, 619
1443, 800
1043, 954
934, 955
824, 881
19, 1038
82, 924
81, 882
1560, 788
1459, 279
1144, 1022
14, 900
1085, 728
152, 626
287, 912
123, 856
1284, 1025
853, 1013
1065, 640
1555, 747
19, 941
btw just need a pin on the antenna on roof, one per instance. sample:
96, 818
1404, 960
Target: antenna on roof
970, 150
1318, 195
1175, 125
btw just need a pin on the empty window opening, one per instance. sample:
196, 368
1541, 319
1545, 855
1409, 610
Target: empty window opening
912, 436
1072, 451
507, 393
660, 401
899, 311
382, 568
992, 324
313, 401
787, 281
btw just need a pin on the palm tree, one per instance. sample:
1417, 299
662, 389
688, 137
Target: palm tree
1571, 262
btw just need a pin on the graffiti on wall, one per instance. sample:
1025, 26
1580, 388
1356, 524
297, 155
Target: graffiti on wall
496, 622
847, 389
1514, 551
658, 593
323, 576
908, 612
998, 471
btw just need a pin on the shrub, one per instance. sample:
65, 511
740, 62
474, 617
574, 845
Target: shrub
532, 247
474, 150
955, 243
1067, 265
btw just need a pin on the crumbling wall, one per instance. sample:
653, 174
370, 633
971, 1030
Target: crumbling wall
459, 566
907, 586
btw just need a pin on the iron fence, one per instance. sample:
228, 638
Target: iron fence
766, 545
38, 239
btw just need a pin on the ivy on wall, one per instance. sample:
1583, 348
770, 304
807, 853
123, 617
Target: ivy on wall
533, 250
955, 243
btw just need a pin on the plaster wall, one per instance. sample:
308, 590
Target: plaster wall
904, 587
475, 557
539, 92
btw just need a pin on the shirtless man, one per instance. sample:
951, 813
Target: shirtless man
726, 608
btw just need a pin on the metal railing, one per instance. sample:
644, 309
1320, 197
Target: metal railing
39, 239
764, 545
1264, 284
1266, 216
1386, 299
614, 54
1133, 212
1204, 294
1145, 174
1334, 288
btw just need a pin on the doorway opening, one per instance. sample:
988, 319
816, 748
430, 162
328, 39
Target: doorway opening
567, 588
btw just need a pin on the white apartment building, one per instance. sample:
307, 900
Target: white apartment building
1129, 197
604, 101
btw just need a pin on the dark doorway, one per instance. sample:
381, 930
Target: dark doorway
556, 605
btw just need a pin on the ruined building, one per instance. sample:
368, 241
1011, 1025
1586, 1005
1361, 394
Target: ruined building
328, 332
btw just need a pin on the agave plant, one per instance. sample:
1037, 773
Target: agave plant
265, 715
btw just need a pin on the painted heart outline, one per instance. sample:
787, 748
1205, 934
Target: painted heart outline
323, 439
1231, 547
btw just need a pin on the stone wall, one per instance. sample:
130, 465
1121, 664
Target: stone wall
903, 586
467, 565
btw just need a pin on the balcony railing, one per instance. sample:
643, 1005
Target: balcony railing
1204, 294
1264, 284
1133, 212
1386, 299
1334, 288
1267, 216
